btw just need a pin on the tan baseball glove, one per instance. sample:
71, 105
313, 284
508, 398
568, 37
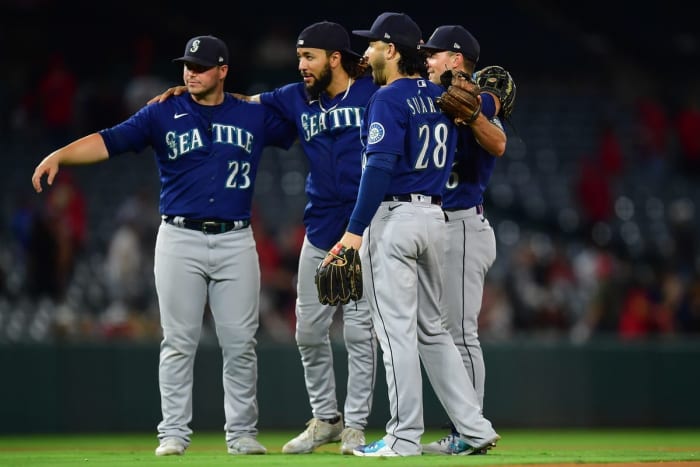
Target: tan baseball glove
461, 102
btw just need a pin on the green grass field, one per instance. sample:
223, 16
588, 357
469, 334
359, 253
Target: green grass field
518, 447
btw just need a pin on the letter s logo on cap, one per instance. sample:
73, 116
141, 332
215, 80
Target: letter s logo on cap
195, 46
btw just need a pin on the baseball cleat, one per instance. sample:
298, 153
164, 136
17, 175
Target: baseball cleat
459, 447
454, 444
350, 439
375, 449
441, 446
317, 433
246, 445
171, 447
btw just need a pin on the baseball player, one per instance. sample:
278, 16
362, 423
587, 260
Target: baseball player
470, 249
326, 109
207, 146
399, 224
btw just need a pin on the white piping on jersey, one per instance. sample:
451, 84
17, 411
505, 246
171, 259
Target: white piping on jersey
347, 90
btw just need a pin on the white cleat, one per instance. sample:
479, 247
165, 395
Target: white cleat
171, 447
317, 433
350, 439
246, 445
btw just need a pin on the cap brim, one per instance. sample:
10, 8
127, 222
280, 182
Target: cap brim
352, 53
428, 47
366, 33
196, 61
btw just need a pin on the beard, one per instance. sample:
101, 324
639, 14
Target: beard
378, 74
320, 84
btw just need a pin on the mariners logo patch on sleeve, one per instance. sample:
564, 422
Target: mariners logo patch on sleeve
376, 133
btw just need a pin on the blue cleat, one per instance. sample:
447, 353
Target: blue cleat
459, 447
375, 449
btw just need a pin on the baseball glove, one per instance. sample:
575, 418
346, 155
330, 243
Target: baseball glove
461, 101
498, 82
340, 281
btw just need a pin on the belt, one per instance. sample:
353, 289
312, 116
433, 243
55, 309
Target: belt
415, 198
209, 227
478, 209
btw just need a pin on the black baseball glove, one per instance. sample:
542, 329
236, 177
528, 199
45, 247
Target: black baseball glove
498, 82
340, 281
461, 101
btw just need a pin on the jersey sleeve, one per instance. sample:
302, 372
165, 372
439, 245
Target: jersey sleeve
131, 135
279, 131
282, 100
386, 128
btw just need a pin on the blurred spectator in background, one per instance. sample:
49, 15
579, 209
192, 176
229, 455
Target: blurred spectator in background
66, 204
689, 312
652, 138
651, 304
100, 103
56, 100
56, 239
275, 58
143, 82
42, 258
21, 222
600, 279
129, 270
687, 127
592, 193
496, 317
610, 152
278, 280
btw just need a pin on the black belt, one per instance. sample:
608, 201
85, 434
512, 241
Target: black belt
210, 227
415, 198
478, 209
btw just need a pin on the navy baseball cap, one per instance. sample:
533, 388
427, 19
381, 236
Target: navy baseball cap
205, 51
328, 36
398, 28
455, 39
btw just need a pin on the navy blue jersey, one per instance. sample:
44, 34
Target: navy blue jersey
207, 156
329, 133
403, 119
471, 172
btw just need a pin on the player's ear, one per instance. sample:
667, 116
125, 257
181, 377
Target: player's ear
457, 60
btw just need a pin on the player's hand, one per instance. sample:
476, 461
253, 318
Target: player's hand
240, 96
48, 166
174, 91
349, 240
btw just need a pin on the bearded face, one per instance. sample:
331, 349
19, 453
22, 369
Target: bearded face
320, 83
378, 70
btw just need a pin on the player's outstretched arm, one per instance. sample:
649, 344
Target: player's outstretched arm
254, 98
86, 150
498, 87
173, 91
489, 136
177, 90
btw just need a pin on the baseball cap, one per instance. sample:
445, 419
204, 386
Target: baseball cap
205, 51
398, 28
326, 35
455, 39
